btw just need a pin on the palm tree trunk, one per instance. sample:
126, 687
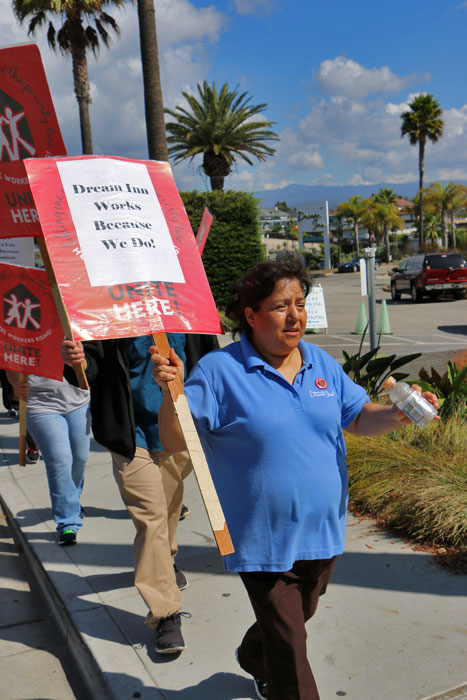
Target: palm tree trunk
453, 229
355, 229
421, 170
153, 102
217, 182
444, 226
81, 85
386, 243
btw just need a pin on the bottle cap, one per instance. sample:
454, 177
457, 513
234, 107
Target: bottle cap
389, 382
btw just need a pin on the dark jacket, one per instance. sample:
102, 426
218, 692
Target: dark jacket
112, 415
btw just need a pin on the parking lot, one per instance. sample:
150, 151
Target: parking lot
438, 329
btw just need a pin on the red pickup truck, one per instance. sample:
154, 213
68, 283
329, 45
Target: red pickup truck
430, 274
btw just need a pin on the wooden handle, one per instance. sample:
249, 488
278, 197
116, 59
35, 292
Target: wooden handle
195, 450
60, 306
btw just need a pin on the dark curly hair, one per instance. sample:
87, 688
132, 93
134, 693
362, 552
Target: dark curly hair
259, 283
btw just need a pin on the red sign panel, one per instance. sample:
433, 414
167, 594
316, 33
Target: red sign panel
30, 329
203, 231
28, 129
121, 246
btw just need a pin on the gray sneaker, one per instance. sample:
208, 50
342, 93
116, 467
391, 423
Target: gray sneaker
169, 639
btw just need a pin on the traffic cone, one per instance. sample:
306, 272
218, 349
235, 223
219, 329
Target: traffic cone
384, 327
362, 321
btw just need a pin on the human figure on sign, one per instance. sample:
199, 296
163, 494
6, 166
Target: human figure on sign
27, 316
11, 120
14, 314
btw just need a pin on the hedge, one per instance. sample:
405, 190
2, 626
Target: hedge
234, 242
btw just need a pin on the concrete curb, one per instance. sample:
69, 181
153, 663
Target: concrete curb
459, 693
88, 654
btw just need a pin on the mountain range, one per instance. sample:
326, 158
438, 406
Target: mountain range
307, 197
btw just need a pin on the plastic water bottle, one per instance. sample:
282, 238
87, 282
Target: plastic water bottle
419, 410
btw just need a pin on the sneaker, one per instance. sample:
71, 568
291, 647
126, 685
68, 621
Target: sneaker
13, 413
32, 455
169, 639
180, 578
260, 686
184, 512
66, 537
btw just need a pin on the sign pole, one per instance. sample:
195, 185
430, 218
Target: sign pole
22, 426
61, 310
195, 450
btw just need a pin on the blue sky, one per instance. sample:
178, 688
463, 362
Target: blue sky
336, 76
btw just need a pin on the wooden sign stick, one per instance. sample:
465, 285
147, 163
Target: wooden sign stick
195, 450
61, 310
22, 426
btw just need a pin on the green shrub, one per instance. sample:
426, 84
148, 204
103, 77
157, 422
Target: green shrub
234, 242
414, 480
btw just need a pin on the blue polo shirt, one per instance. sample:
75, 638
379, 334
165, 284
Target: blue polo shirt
276, 452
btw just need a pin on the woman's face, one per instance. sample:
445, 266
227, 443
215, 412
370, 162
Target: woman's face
280, 321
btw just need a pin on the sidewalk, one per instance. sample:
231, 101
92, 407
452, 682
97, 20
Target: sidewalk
391, 627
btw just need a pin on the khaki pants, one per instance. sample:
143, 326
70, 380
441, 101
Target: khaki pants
151, 486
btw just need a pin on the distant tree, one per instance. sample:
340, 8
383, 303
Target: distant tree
75, 38
381, 218
432, 226
444, 201
423, 121
385, 196
222, 126
353, 211
282, 206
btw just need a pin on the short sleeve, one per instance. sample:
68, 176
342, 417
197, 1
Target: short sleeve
353, 396
202, 401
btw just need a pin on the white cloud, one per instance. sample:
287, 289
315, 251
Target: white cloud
117, 110
255, 7
343, 76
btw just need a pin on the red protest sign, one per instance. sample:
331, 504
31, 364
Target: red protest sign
203, 230
28, 128
30, 330
121, 246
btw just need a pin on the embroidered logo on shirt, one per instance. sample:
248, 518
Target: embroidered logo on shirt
322, 394
321, 383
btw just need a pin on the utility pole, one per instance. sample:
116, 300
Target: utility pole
369, 256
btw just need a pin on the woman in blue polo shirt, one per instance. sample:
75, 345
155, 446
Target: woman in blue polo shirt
270, 411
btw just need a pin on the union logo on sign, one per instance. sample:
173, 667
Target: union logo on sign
16, 140
21, 308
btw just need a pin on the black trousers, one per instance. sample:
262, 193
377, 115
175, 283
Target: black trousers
274, 648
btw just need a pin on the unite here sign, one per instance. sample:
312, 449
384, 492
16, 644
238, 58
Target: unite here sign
28, 129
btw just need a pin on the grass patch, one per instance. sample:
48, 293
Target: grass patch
414, 481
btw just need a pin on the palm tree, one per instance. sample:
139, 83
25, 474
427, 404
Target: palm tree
444, 201
353, 211
422, 122
382, 217
153, 102
75, 37
432, 226
385, 196
458, 202
222, 127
